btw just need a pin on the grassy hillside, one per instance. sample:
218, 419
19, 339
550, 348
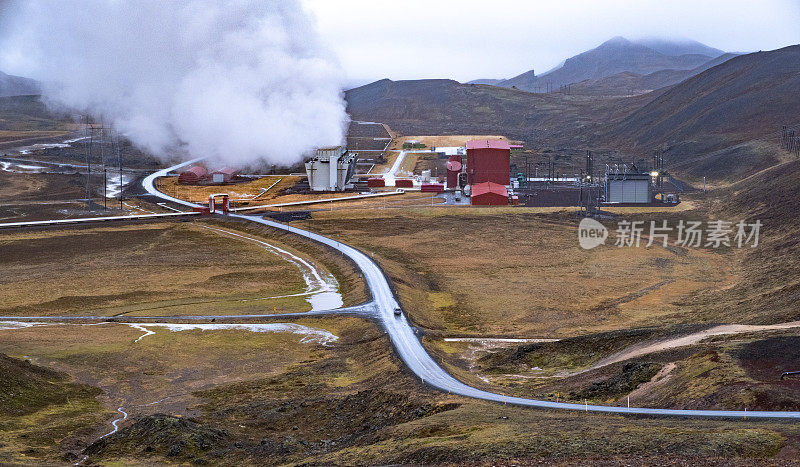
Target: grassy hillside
770, 284
42, 412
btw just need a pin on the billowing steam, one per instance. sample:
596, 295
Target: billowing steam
235, 80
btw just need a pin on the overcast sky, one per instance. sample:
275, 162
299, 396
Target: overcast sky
465, 40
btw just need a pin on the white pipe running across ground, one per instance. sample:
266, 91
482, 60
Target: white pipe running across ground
414, 355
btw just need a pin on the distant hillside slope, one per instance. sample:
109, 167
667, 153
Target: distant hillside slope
614, 56
749, 95
17, 86
723, 123
434, 106
629, 83
431, 107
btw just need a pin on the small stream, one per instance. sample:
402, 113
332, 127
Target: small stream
322, 289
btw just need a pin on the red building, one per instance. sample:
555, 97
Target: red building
224, 175
432, 188
489, 194
194, 174
488, 161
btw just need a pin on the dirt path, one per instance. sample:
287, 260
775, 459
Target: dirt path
658, 379
651, 347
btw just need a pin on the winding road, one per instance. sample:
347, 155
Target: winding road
409, 347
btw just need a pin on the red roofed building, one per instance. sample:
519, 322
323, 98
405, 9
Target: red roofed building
488, 161
489, 194
194, 174
224, 175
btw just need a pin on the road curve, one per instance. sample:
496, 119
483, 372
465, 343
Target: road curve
414, 355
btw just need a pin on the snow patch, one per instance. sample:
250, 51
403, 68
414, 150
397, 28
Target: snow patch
311, 335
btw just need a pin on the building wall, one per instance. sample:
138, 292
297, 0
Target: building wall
489, 199
489, 165
331, 170
629, 191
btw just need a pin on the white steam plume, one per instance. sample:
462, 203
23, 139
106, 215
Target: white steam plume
237, 80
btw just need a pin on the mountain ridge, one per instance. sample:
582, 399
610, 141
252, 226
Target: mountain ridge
614, 56
17, 86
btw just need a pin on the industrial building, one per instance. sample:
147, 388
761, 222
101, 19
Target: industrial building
331, 169
193, 175
223, 175
489, 194
199, 175
488, 161
627, 187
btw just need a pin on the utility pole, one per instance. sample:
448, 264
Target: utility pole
105, 190
103, 161
88, 164
784, 137
119, 164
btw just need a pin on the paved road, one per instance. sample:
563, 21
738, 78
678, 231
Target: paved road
414, 355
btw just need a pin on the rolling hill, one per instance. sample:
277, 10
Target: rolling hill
449, 107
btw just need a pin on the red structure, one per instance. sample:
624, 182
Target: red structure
453, 169
212, 203
489, 194
488, 161
376, 182
404, 183
224, 175
432, 188
194, 174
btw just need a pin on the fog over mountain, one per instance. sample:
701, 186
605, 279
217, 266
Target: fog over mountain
618, 55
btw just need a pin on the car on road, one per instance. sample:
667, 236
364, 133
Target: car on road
397, 311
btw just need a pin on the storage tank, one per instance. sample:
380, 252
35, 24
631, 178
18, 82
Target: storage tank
453, 169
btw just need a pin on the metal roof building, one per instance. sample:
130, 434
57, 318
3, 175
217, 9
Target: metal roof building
194, 174
488, 161
224, 175
489, 194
